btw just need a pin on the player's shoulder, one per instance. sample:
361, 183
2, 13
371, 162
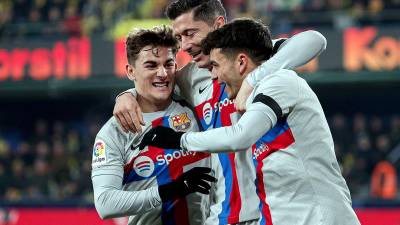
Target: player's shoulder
181, 106
191, 68
112, 131
284, 72
180, 103
279, 76
282, 79
277, 43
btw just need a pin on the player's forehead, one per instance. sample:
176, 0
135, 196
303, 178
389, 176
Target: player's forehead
185, 22
155, 53
217, 56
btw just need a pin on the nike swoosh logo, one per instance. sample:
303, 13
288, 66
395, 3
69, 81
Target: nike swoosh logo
202, 89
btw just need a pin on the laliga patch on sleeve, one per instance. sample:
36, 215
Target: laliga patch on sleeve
99, 153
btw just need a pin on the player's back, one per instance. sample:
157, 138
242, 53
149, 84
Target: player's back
153, 166
295, 160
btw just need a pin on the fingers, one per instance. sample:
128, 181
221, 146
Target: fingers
203, 184
146, 139
241, 98
200, 170
241, 108
134, 117
140, 116
240, 103
121, 120
129, 122
200, 185
163, 131
128, 113
201, 189
207, 177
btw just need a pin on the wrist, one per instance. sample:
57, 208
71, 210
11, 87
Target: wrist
250, 81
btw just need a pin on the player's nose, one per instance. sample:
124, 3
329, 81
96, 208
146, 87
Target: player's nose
186, 44
162, 72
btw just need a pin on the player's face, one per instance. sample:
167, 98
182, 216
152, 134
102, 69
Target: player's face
154, 73
227, 71
190, 33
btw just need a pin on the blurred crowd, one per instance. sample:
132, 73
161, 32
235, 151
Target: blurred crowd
21, 18
361, 143
60, 17
52, 161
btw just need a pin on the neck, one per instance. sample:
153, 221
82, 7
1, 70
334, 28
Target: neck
250, 67
148, 106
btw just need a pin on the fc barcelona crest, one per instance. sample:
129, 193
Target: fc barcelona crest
180, 122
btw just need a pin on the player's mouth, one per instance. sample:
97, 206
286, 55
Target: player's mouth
196, 56
160, 84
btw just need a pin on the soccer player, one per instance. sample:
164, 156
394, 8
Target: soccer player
154, 186
284, 128
234, 197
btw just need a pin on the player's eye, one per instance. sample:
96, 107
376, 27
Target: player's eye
150, 66
191, 33
169, 65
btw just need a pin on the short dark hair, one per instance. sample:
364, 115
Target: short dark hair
246, 35
204, 10
156, 36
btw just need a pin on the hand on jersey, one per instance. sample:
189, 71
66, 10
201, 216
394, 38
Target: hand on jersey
128, 114
194, 180
241, 98
162, 137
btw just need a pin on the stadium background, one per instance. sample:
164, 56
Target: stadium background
62, 64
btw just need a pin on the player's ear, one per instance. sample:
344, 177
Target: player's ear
130, 72
242, 61
219, 22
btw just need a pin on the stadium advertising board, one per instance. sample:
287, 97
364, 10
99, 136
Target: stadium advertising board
354, 49
371, 48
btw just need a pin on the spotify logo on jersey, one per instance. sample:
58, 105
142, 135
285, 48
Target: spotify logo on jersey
143, 166
207, 113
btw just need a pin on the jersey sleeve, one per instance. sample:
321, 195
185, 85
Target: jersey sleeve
294, 52
250, 127
107, 175
278, 92
131, 90
272, 100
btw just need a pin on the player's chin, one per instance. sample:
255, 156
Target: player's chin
202, 62
163, 95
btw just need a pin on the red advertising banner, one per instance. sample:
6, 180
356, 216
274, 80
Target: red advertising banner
379, 216
55, 216
351, 50
88, 216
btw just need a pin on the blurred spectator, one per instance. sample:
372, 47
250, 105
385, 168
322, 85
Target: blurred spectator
376, 126
395, 129
340, 132
58, 167
77, 17
72, 21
